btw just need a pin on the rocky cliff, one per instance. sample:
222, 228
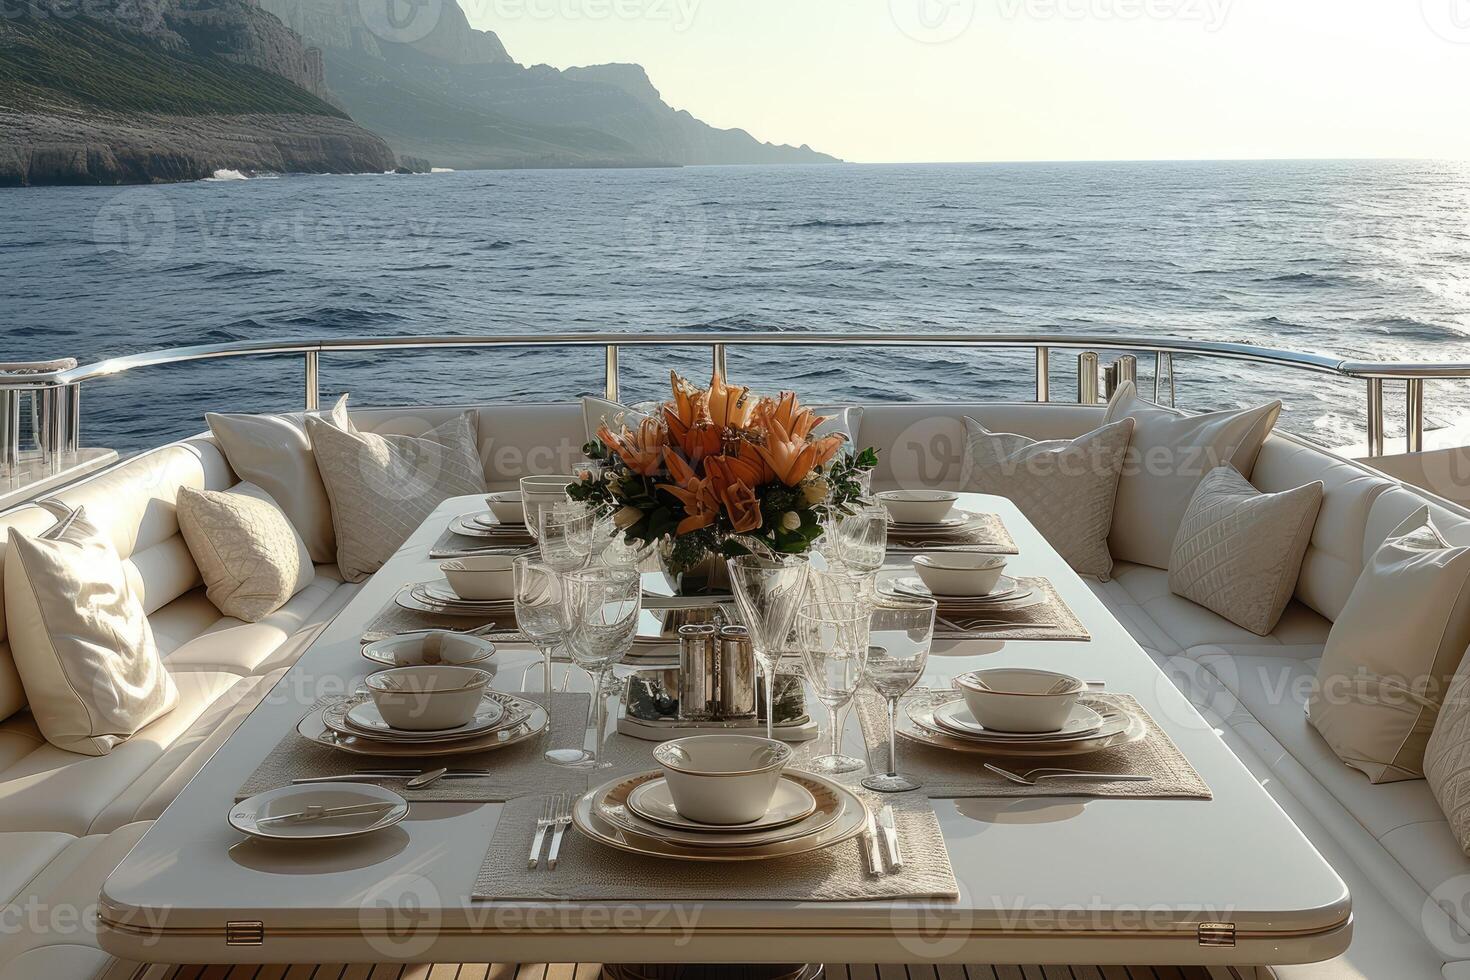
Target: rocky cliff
159, 90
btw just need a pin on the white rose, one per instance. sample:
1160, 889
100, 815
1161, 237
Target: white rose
791, 520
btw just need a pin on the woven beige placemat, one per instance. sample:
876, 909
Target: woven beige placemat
987, 535
394, 619
515, 771
589, 871
1049, 619
949, 774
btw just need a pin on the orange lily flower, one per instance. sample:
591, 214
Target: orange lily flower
729, 406
641, 451
701, 506
793, 459
787, 411
743, 508
726, 471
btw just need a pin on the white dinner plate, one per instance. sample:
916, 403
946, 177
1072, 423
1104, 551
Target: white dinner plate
825, 808
586, 817
955, 717
442, 592
246, 815
364, 719
953, 521
526, 720
511, 533
412, 599
406, 650
791, 802
1006, 589
488, 522
916, 724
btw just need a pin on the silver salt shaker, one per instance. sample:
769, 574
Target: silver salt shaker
698, 683
735, 671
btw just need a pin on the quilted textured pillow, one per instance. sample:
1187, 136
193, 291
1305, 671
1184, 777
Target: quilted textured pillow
1239, 551
273, 453
81, 642
1393, 652
383, 486
1170, 453
1447, 758
251, 558
1064, 488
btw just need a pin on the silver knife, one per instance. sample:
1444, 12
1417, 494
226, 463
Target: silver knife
890, 835
870, 834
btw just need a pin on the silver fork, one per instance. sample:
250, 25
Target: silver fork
543, 823
562, 820
1033, 776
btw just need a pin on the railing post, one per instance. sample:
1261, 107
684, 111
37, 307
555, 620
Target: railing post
11, 456
1043, 374
51, 448
313, 381
610, 378
1087, 378
718, 356
1163, 368
1414, 415
1123, 369
74, 418
1375, 416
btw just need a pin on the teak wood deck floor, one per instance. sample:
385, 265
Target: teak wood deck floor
591, 971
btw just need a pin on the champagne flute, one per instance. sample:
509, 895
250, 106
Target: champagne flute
768, 591
901, 631
540, 614
602, 606
834, 647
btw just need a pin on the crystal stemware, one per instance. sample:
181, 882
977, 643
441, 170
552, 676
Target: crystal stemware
901, 631
541, 616
834, 648
768, 591
538, 492
861, 538
602, 609
565, 535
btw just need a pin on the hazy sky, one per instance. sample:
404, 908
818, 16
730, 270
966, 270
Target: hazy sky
952, 80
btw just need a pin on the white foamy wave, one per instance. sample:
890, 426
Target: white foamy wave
441, 170
227, 175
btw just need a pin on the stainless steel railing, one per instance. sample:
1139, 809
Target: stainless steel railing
59, 384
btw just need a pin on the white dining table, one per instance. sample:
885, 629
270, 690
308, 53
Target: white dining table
1228, 880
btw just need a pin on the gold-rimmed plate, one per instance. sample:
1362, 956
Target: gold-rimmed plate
791, 803
527, 720
916, 724
587, 817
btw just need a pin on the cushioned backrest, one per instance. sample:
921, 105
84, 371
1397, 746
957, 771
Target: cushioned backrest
28, 519
515, 440
1334, 558
1398, 503
134, 503
923, 445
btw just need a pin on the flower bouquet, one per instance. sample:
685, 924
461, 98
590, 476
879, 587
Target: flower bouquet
721, 471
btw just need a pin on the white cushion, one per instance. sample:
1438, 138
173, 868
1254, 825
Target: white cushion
81, 639
1392, 654
1447, 758
273, 452
1239, 551
251, 558
1065, 488
1170, 453
383, 486
597, 412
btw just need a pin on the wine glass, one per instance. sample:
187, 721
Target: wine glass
565, 535
862, 538
602, 606
538, 492
540, 614
901, 631
768, 592
834, 647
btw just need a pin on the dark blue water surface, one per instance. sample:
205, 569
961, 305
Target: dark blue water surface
1356, 259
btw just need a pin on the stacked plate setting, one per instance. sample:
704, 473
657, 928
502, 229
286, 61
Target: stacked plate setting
438, 597
1008, 592
484, 525
637, 814
354, 725
953, 530
946, 722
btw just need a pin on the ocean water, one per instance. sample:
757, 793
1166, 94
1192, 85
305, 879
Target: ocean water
1353, 259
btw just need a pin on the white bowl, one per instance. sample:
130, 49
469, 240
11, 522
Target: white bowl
918, 506
960, 573
506, 506
722, 779
448, 648
427, 699
1018, 699
481, 577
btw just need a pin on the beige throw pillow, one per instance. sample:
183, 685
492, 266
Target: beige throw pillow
273, 453
1064, 488
1170, 453
252, 559
1447, 758
383, 486
1239, 551
1393, 651
80, 639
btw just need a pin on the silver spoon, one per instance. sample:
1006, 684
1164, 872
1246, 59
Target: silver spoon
427, 779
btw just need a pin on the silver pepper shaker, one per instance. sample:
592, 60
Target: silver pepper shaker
735, 673
698, 683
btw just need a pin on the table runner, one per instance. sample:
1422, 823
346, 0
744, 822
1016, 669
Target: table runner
394, 619
988, 535
1049, 619
958, 775
589, 871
